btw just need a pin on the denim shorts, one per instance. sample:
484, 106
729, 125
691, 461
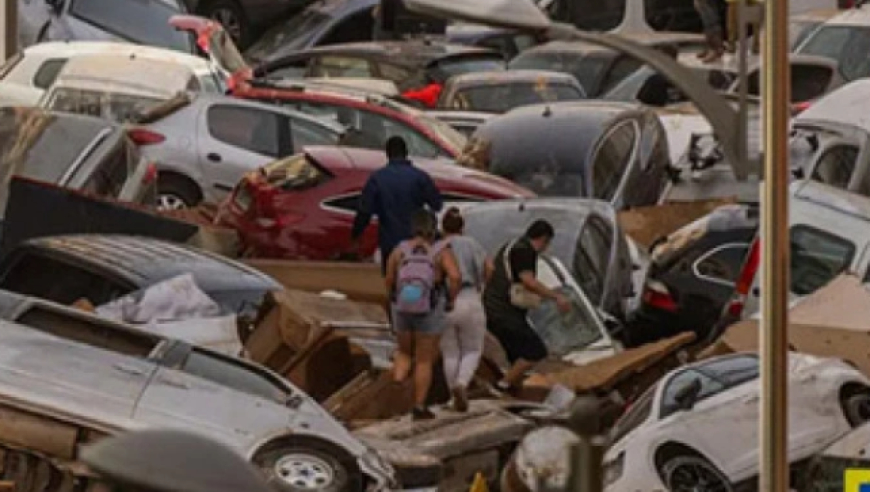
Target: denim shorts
432, 323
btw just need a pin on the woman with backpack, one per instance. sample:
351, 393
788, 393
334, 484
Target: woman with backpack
462, 342
423, 279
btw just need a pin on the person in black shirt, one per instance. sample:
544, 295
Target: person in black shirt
507, 322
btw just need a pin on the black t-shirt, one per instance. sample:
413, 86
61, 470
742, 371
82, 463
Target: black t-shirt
496, 297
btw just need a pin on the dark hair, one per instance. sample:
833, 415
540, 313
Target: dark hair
452, 222
397, 148
424, 224
540, 229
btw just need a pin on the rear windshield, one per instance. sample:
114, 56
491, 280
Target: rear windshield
588, 70
816, 258
41, 146
142, 21
848, 45
503, 98
110, 106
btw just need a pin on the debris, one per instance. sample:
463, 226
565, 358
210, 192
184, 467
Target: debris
361, 282
646, 224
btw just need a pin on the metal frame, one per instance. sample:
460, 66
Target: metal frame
712, 252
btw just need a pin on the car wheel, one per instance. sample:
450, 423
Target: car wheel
304, 469
857, 408
691, 473
231, 16
176, 194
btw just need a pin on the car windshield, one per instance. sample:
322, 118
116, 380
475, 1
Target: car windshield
568, 332
110, 106
816, 258
494, 227
459, 65
141, 21
588, 69
296, 33
848, 45
503, 98
798, 31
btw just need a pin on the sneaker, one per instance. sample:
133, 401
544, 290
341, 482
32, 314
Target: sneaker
422, 413
460, 399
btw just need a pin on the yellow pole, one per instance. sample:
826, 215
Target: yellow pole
775, 251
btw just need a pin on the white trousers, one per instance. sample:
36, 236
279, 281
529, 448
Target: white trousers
462, 341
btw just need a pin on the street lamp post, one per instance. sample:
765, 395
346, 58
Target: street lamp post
8, 29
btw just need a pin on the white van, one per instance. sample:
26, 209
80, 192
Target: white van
830, 234
116, 87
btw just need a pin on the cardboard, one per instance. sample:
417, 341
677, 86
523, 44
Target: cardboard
360, 282
646, 224
295, 335
832, 322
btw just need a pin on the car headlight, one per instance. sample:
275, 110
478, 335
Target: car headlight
613, 469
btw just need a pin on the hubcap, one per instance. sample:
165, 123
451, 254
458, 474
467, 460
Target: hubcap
696, 477
170, 202
305, 472
231, 23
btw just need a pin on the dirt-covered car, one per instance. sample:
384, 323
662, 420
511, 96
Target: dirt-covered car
68, 379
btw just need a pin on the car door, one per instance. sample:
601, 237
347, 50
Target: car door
213, 395
235, 139
611, 161
593, 256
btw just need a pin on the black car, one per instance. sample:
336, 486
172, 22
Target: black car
102, 268
409, 64
243, 18
73, 151
615, 152
693, 272
597, 68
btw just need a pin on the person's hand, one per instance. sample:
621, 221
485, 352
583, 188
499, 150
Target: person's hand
563, 303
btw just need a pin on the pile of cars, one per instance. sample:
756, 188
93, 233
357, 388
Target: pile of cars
274, 138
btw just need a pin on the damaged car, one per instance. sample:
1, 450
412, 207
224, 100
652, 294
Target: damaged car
83, 378
499, 92
665, 441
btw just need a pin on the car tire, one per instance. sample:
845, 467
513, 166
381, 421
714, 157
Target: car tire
300, 468
175, 193
232, 17
856, 407
692, 473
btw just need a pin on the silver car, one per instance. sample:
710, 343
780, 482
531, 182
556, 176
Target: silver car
76, 378
204, 144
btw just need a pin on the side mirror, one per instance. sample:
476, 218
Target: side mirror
688, 395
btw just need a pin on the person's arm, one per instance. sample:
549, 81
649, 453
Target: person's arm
488, 270
392, 272
452, 274
525, 261
363, 212
431, 194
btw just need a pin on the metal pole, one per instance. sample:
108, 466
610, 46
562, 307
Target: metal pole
9, 26
775, 251
743, 93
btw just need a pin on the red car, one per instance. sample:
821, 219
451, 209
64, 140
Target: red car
302, 207
371, 119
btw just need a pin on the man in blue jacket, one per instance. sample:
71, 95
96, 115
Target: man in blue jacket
393, 193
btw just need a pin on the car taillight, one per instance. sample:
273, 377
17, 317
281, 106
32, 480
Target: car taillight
150, 175
746, 279
657, 295
141, 136
800, 107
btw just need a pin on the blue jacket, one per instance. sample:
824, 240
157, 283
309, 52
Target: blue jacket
393, 193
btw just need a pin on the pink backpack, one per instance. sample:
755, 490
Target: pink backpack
415, 282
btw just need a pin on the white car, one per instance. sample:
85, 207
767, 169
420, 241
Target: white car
696, 429
26, 76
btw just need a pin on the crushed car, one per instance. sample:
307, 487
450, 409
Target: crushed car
499, 92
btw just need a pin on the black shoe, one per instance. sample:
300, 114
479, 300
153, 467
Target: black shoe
460, 399
422, 413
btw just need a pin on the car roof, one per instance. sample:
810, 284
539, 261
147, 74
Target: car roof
146, 261
853, 17
74, 49
127, 74
848, 105
336, 158
504, 77
815, 194
204, 99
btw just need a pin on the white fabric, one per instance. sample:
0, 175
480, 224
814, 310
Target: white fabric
178, 298
462, 341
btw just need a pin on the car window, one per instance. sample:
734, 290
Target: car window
306, 133
621, 68
709, 387
396, 73
47, 72
524, 42
251, 129
112, 106
348, 203
587, 69
565, 333
638, 412
142, 21
798, 31
848, 45
654, 152
297, 172
722, 264
54, 280
592, 258
379, 128
110, 176
502, 98
732, 371
341, 66
459, 65
836, 165
816, 258
226, 372
611, 159
357, 27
